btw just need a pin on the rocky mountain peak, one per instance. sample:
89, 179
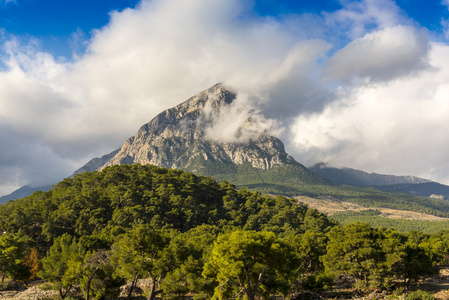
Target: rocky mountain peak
190, 116
188, 137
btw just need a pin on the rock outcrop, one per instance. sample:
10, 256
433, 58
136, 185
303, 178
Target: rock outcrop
180, 138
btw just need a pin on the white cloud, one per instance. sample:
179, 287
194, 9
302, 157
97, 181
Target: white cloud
356, 18
145, 60
381, 55
237, 123
399, 127
157, 55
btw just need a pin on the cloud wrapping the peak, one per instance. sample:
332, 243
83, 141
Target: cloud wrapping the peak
238, 122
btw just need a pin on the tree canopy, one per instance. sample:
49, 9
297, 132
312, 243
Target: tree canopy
190, 235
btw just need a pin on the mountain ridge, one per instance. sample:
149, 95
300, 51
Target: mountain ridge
179, 138
182, 137
360, 178
388, 183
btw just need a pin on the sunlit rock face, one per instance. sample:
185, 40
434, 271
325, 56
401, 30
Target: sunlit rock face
176, 138
214, 133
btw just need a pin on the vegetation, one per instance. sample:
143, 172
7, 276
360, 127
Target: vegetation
367, 197
189, 235
372, 217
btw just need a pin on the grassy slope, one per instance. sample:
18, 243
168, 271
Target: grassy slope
373, 218
296, 180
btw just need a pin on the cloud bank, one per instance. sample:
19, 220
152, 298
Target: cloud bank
361, 87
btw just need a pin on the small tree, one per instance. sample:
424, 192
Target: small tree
250, 264
139, 253
356, 249
189, 251
12, 252
95, 274
56, 264
32, 262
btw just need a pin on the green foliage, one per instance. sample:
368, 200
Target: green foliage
142, 252
419, 295
315, 282
415, 264
366, 253
191, 250
95, 274
251, 264
12, 252
367, 197
372, 217
191, 236
245, 174
376, 257
56, 264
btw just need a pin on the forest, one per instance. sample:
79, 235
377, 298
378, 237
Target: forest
189, 235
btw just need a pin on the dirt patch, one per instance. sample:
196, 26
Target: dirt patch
28, 292
330, 206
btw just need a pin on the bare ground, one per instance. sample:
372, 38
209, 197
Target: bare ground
330, 206
438, 286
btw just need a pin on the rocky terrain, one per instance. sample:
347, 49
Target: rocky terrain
178, 136
183, 137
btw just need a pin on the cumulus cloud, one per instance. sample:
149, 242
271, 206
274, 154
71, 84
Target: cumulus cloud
399, 127
162, 52
381, 55
356, 18
145, 60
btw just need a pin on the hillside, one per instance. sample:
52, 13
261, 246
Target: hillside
180, 138
97, 202
22, 192
349, 176
388, 183
139, 229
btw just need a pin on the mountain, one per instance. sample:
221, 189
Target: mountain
24, 191
180, 138
428, 189
387, 183
95, 163
359, 178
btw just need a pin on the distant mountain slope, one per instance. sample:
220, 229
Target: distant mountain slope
178, 138
27, 190
24, 191
387, 183
95, 163
428, 189
354, 177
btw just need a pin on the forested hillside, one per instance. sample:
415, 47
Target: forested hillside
189, 235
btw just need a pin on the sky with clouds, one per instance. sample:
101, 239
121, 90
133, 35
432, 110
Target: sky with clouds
361, 84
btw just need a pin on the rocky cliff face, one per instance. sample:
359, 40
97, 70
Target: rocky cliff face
176, 138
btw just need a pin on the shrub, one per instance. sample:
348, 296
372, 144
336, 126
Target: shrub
419, 295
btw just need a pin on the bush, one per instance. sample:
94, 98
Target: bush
419, 295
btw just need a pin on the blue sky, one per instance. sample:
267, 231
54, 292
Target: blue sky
354, 83
54, 22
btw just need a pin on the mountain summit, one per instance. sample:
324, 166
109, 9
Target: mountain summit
188, 137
